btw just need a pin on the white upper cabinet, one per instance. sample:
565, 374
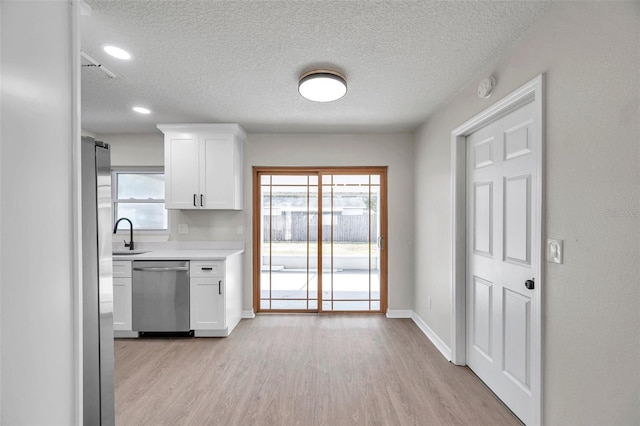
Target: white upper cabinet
203, 166
181, 171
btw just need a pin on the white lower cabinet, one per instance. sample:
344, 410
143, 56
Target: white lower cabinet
122, 326
206, 303
215, 297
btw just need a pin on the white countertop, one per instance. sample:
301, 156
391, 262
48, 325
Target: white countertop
181, 254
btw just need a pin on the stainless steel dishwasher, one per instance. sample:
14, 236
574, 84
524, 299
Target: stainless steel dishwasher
160, 296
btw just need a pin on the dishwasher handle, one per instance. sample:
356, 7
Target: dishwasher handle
161, 269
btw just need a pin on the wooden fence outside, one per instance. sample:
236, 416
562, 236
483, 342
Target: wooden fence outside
297, 226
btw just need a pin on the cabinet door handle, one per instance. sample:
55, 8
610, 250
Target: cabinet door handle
220, 287
201, 200
207, 268
194, 200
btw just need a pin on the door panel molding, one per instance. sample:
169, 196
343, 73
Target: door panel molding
517, 220
483, 244
518, 307
531, 92
483, 303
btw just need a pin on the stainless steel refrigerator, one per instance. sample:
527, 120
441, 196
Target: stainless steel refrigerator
97, 287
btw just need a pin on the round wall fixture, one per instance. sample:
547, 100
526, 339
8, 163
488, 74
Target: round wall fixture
486, 87
322, 85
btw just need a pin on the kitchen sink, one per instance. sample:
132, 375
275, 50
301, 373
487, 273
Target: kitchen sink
128, 252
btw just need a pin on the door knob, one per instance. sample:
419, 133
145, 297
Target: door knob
530, 284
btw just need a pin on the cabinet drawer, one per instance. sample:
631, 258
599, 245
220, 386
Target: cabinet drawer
206, 269
121, 268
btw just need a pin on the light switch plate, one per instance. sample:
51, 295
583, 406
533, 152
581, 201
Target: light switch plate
554, 250
183, 228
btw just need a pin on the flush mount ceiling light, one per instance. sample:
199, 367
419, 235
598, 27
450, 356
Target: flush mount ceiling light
142, 110
116, 52
322, 85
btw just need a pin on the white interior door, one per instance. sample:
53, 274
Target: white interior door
503, 218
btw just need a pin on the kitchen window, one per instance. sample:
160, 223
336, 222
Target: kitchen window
138, 194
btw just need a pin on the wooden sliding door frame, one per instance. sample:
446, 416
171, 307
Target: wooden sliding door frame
318, 171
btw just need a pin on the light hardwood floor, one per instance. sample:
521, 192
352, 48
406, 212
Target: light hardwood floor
300, 370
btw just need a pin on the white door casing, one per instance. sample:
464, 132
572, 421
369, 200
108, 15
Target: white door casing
497, 182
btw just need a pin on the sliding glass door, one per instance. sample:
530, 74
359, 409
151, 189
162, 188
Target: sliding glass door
301, 212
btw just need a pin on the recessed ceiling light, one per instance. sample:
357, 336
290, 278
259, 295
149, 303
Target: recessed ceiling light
142, 110
322, 85
116, 52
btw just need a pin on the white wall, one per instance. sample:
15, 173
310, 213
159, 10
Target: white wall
37, 374
393, 150
135, 149
590, 52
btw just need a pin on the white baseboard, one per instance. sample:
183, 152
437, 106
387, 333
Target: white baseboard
211, 333
399, 313
435, 339
248, 314
121, 334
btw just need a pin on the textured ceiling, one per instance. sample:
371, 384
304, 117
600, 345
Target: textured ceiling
239, 61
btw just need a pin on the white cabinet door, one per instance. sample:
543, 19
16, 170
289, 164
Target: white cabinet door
219, 171
203, 166
206, 296
122, 295
122, 304
181, 171
207, 303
